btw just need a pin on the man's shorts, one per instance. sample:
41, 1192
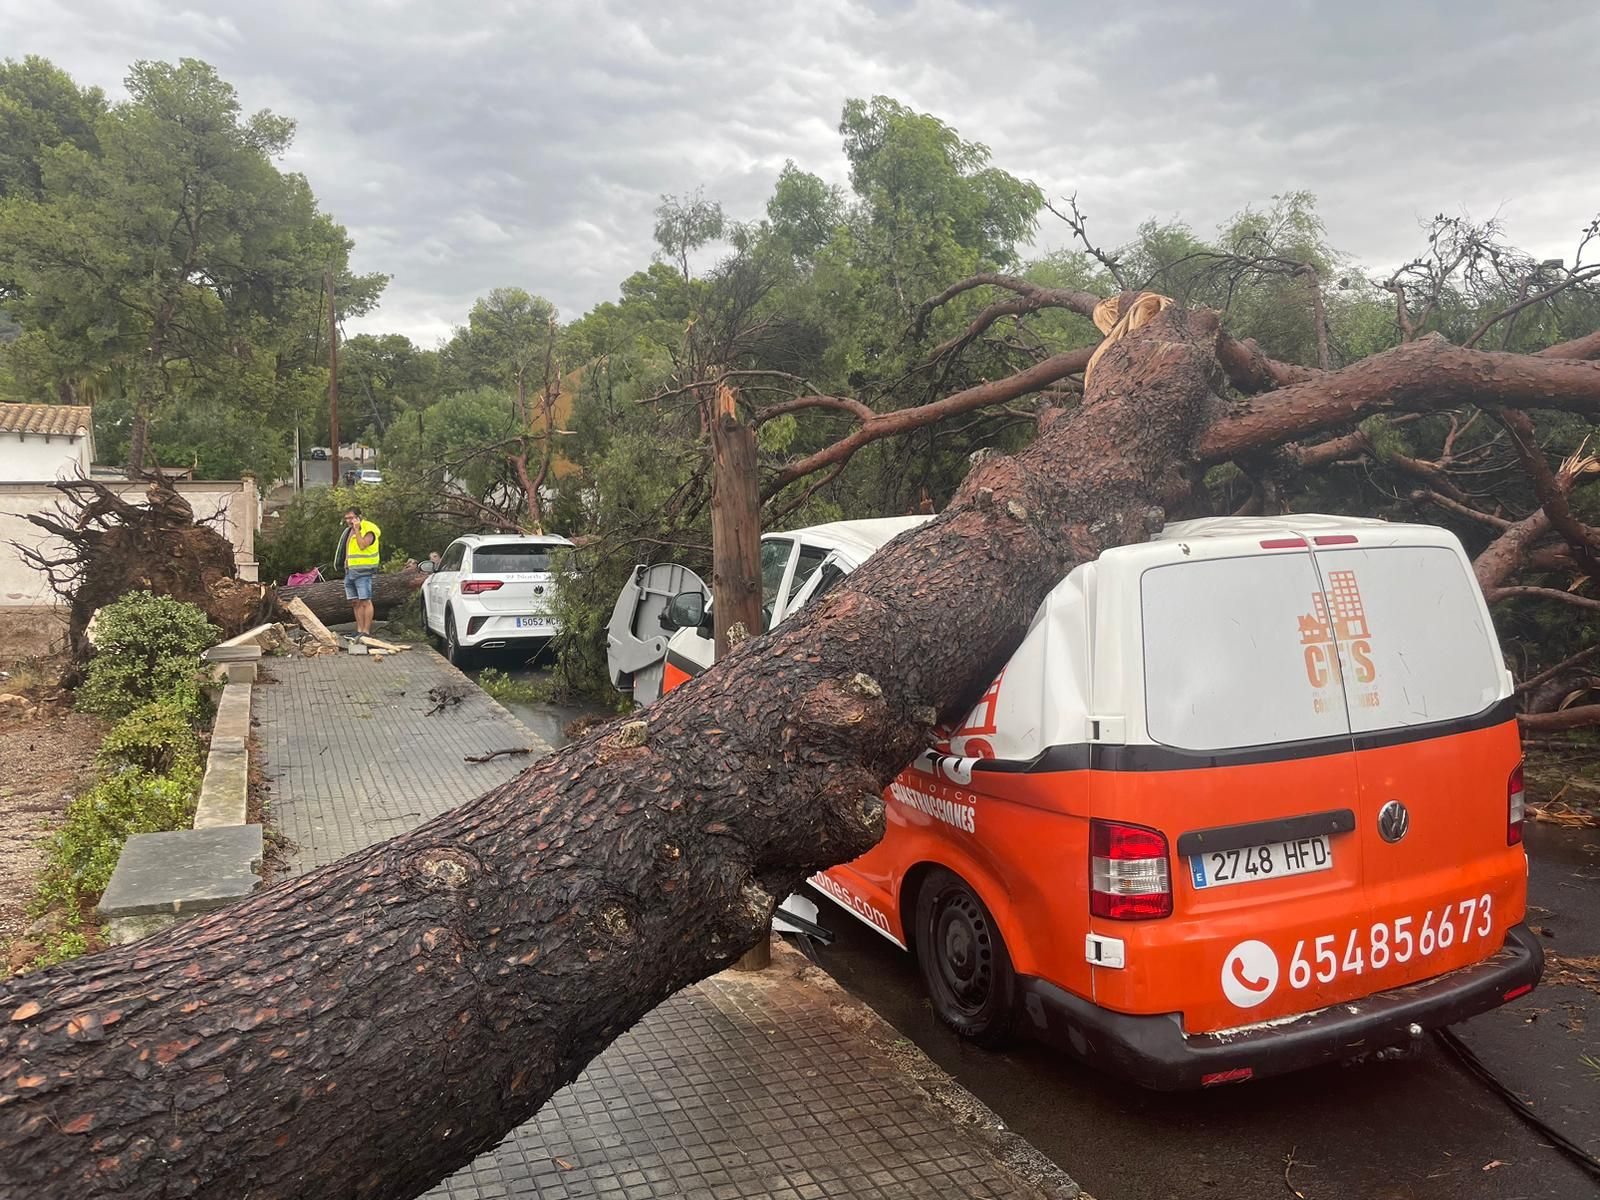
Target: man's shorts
358, 583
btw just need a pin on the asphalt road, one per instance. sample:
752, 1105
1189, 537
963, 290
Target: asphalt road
1413, 1129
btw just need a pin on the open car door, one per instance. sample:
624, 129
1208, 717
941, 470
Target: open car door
636, 638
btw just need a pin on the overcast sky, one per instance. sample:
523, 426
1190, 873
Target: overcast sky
481, 143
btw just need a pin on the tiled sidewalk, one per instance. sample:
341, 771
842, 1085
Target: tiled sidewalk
773, 1085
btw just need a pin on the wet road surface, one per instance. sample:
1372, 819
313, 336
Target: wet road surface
1412, 1129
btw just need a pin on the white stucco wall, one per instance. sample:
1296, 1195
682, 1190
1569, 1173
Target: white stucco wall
31, 457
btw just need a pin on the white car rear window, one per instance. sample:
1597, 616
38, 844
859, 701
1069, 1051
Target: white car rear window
511, 558
1252, 651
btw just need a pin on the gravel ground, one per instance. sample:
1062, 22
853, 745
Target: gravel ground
44, 760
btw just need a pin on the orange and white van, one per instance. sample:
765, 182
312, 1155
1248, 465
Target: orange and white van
1248, 797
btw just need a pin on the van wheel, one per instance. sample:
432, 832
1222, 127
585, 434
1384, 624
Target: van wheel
460, 657
964, 962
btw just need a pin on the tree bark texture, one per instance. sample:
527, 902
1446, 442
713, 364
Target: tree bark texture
390, 590
736, 584
735, 525
367, 1028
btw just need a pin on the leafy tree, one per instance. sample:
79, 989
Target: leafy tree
387, 377
686, 223
41, 108
171, 261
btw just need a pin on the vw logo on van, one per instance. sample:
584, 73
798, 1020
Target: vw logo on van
1393, 821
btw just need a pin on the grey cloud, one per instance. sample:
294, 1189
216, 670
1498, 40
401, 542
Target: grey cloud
469, 146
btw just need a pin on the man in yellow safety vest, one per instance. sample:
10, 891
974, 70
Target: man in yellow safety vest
360, 565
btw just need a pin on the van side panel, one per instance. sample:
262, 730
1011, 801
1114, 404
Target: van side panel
1021, 842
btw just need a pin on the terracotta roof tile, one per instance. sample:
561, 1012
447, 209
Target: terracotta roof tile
67, 419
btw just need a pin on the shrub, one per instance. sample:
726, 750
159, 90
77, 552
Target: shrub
158, 738
80, 856
146, 648
59, 947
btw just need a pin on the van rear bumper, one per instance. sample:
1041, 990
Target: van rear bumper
1154, 1052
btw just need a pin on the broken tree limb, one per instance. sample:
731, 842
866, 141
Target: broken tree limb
494, 754
367, 1028
309, 622
1427, 375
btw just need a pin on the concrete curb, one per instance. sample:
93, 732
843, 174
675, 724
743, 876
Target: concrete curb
1012, 1151
163, 877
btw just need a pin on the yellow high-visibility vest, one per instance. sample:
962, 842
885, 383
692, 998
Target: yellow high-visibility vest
354, 555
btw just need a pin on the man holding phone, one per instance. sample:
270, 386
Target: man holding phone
360, 565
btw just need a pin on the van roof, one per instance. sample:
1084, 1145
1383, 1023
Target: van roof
1205, 527
859, 538
862, 538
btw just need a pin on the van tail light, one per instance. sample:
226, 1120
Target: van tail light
473, 586
1129, 879
1516, 807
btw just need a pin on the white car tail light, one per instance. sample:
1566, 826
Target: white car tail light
1129, 876
1516, 807
472, 587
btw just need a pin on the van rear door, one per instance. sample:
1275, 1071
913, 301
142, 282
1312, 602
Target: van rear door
1436, 746
1251, 778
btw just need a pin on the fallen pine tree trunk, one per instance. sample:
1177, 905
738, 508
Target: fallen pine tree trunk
326, 599
367, 1028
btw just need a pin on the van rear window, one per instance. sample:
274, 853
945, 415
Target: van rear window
511, 557
1417, 647
1265, 649
1223, 662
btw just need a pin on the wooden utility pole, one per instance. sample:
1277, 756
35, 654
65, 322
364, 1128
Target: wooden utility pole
735, 552
333, 380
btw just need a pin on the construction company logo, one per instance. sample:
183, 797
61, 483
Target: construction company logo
1338, 644
971, 739
954, 807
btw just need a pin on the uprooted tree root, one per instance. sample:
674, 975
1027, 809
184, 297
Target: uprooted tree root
104, 546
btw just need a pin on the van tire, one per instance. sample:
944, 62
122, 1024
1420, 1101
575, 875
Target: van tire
963, 958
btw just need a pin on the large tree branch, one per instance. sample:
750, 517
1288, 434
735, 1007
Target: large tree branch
1495, 595
1427, 375
1081, 303
881, 425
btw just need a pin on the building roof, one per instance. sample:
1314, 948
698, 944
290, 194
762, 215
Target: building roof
67, 420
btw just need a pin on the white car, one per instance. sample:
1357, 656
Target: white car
651, 646
491, 591
370, 475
